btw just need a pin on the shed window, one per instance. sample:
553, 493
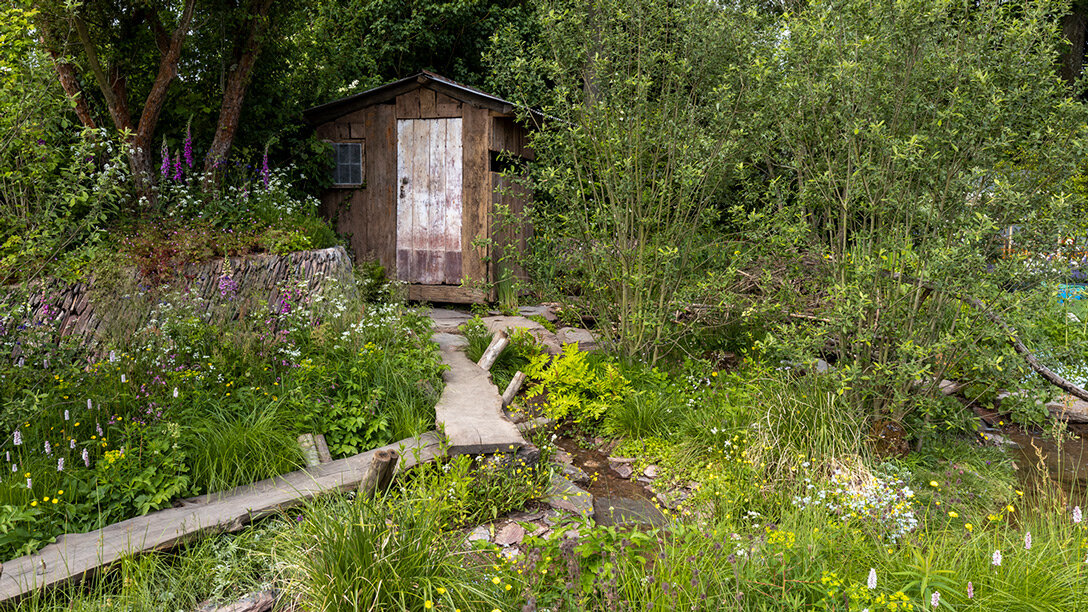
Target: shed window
348, 158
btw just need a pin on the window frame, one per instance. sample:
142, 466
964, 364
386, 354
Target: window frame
361, 159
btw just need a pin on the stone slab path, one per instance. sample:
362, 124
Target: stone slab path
73, 556
469, 410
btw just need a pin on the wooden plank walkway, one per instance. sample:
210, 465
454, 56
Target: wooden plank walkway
75, 555
469, 411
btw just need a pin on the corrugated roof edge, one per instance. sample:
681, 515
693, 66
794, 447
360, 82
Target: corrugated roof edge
337, 108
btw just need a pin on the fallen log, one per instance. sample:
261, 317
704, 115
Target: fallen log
74, 556
1010, 334
498, 343
512, 389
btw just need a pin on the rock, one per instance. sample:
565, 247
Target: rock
951, 387
623, 470
1069, 408
621, 459
526, 517
510, 553
650, 471
446, 320
481, 533
673, 499
573, 473
644, 480
998, 440
509, 535
562, 456
446, 340
539, 531
535, 424
254, 602
541, 333
823, 366
564, 495
575, 335
627, 510
538, 311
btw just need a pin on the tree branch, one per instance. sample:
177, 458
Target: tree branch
118, 110
69, 82
1010, 334
168, 69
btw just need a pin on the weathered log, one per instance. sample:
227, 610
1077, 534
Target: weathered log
1010, 334
498, 343
378, 474
512, 389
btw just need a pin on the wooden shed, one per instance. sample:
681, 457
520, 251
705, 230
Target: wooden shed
418, 176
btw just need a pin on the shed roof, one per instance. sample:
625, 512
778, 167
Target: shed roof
337, 108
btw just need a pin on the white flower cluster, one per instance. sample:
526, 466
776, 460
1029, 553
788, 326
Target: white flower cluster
884, 504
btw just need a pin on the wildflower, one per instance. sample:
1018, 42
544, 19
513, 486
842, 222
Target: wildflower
872, 578
265, 173
72, 443
428, 604
48, 448
89, 404
17, 438
122, 378
60, 464
29, 483
933, 483
187, 150
66, 414
1076, 514
1027, 541
968, 526
970, 590
98, 428
86, 458
996, 560
441, 591
177, 168
175, 392
935, 599
165, 170
954, 514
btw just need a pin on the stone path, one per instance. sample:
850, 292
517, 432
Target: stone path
469, 410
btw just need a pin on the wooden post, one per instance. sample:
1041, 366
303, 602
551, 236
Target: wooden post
498, 343
314, 449
513, 388
378, 475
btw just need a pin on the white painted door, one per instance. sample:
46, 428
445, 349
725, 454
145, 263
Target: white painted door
429, 169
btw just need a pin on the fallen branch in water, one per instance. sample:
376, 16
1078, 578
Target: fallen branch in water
1010, 334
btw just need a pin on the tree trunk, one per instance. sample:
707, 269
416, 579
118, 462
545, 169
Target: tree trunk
234, 90
1073, 30
66, 74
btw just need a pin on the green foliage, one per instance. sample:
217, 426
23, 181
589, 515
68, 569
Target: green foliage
387, 553
576, 386
196, 397
522, 348
648, 126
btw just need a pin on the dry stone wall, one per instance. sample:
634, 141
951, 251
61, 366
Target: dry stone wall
82, 308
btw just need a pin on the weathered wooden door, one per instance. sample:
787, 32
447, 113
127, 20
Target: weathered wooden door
429, 169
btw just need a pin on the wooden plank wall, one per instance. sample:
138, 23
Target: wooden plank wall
477, 193
376, 225
509, 138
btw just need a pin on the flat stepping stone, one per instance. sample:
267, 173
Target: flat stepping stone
541, 311
502, 323
585, 339
469, 411
627, 511
447, 320
564, 495
447, 340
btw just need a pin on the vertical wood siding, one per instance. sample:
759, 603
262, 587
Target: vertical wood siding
429, 204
